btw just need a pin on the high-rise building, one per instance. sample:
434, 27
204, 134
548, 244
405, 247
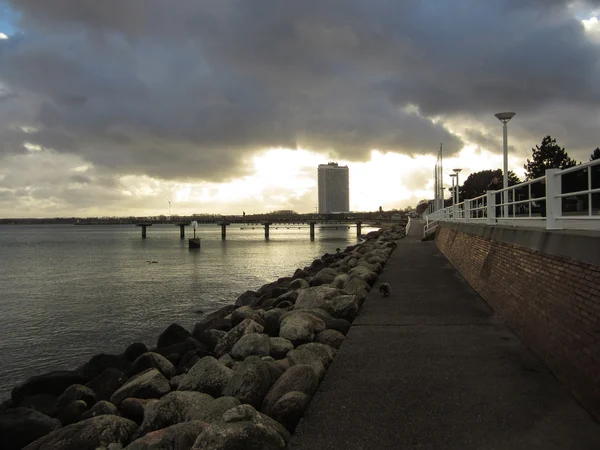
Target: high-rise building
334, 190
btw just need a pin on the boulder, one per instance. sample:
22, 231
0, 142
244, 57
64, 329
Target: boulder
71, 413
101, 408
304, 357
333, 338
324, 276
153, 361
301, 378
20, 426
364, 274
290, 408
242, 435
299, 273
283, 281
251, 344
214, 411
105, 384
277, 368
133, 408
180, 436
89, 434
216, 323
174, 334
248, 298
228, 341
244, 413
211, 337
289, 296
299, 283
99, 363
272, 319
73, 393
181, 348
279, 347
377, 268
352, 262
208, 376
174, 382
148, 384
356, 286
44, 403
314, 268
341, 325
344, 307
339, 281
53, 383
322, 352
227, 360
300, 327
189, 360
135, 350
175, 407
315, 297
250, 382
243, 313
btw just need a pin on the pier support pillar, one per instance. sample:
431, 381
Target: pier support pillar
223, 231
143, 231
312, 231
267, 231
182, 231
358, 229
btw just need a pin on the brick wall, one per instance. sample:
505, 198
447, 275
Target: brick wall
551, 302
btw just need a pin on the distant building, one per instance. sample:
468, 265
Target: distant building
334, 190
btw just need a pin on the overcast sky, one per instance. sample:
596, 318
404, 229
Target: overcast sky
114, 107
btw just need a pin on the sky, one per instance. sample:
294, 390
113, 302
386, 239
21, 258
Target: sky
115, 108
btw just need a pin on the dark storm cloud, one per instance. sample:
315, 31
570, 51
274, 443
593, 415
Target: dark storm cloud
188, 90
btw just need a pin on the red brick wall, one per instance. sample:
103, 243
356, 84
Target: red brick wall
551, 302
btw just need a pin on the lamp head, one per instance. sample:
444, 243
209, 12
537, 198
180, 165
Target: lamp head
456, 171
504, 117
453, 175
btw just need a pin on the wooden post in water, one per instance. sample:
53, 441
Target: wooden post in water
143, 225
312, 231
224, 230
266, 230
358, 228
182, 230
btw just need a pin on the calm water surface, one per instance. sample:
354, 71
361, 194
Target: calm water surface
68, 292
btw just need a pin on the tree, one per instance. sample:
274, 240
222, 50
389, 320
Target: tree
547, 156
477, 183
595, 154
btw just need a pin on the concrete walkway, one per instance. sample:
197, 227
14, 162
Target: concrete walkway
431, 367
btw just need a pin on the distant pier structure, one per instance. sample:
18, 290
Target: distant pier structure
144, 225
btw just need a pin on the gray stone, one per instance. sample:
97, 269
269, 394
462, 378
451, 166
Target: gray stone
20, 426
300, 327
215, 410
324, 276
153, 360
300, 378
228, 341
101, 408
180, 436
243, 313
216, 323
248, 298
174, 334
299, 283
296, 357
333, 338
344, 307
227, 360
364, 274
339, 281
175, 407
315, 297
73, 393
88, 434
134, 350
208, 376
105, 384
290, 408
134, 408
251, 344
277, 368
272, 319
323, 352
174, 382
71, 413
245, 435
280, 346
44, 403
341, 325
53, 383
148, 384
250, 382
211, 337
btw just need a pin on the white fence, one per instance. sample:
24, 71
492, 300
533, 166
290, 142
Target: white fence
562, 199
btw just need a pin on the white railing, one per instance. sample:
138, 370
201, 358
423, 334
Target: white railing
562, 199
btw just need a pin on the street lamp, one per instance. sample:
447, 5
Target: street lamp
505, 117
453, 175
457, 171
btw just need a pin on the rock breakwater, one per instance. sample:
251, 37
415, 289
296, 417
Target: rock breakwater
242, 378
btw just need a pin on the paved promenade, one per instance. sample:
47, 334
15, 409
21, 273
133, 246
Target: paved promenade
431, 367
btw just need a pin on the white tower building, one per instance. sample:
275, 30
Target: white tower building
334, 190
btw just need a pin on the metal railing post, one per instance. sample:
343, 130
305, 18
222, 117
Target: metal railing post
491, 207
553, 201
467, 210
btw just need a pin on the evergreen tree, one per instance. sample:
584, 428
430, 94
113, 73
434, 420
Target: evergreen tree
547, 156
477, 183
595, 154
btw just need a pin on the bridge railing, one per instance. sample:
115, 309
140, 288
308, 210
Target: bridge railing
561, 199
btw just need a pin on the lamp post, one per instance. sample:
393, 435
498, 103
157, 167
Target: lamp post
453, 176
457, 171
505, 117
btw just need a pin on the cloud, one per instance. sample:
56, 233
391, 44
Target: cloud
190, 92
